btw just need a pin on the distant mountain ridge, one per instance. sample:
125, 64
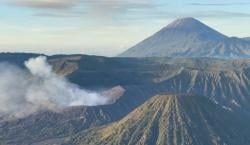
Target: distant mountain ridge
188, 37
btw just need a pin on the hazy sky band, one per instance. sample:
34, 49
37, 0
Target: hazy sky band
107, 27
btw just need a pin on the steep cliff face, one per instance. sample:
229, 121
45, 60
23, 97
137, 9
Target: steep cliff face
171, 120
229, 88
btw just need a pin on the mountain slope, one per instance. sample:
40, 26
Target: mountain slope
47, 125
189, 37
226, 82
172, 120
247, 38
228, 88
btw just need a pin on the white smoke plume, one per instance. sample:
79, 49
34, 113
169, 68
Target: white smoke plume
24, 92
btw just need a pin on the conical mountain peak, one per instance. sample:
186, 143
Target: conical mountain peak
188, 37
186, 23
193, 27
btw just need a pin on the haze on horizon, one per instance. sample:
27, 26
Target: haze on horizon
107, 27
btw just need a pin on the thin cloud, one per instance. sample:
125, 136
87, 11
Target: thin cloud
78, 8
44, 4
219, 4
59, 15
65, 4
221, 14
115, 6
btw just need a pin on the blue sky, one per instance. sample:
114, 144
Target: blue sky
107, 27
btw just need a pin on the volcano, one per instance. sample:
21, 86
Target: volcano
188, 37
171, 120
